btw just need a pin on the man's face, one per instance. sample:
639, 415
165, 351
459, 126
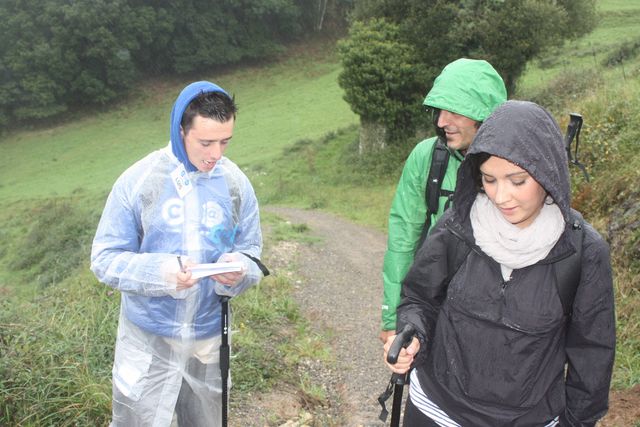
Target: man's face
206, 141
458, 129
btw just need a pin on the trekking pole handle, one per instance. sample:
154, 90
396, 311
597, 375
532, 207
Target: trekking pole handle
575, 123
402, 340
573, 132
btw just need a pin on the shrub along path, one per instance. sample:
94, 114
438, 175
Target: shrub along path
340, 291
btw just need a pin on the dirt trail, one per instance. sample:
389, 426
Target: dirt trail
340, 291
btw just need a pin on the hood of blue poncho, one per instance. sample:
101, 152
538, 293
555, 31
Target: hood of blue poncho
186, 96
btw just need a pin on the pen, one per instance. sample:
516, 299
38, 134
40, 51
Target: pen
180, 262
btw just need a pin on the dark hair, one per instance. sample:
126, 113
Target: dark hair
213, 105
476, 161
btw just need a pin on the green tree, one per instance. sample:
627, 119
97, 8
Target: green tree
59, 54
507, 33
56, 55
97, 37
379, 76
515, 33
582, 17
196, 36
24, 53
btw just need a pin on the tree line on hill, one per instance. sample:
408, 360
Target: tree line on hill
57, 55
60, 54
396, 48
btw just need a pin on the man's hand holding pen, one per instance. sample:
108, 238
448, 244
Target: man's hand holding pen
184, 280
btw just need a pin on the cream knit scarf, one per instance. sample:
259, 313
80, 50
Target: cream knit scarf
511, 246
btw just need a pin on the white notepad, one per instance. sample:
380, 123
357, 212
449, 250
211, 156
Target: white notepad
205, 270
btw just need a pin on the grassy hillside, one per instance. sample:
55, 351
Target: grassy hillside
57, 324
298, 141
279, 104
619, 24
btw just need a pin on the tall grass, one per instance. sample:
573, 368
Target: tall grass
57, 347
57, 350
327, 173
619, 24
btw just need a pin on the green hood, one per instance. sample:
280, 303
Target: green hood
470, 87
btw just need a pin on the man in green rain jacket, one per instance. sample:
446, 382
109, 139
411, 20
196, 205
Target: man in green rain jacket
462, 96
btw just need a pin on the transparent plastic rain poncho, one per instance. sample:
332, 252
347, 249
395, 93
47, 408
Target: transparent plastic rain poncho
167, 350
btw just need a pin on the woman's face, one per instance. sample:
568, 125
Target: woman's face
512, 190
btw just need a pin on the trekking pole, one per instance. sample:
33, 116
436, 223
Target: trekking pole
224, 357
397, 382
573, 131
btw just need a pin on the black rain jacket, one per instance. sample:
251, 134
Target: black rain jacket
493, 353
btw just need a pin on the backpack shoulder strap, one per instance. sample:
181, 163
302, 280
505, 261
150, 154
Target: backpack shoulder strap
457, 249
433, 190
439, 163
568, 270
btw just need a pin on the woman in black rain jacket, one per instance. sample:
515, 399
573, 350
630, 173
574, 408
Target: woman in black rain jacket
494, 345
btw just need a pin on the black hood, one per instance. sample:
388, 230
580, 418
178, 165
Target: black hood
527, 135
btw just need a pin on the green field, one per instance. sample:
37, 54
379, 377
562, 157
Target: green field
619, 23
279, 104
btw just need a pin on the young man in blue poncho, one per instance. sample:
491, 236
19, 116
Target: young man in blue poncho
180, 206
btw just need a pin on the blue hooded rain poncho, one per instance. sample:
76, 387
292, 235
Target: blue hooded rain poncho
167, 351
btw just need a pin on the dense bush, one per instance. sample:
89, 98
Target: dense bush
57, 54
625, 52
425, 35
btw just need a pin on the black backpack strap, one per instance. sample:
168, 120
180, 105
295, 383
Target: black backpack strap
457, 249
433, 191
568, 270
439, 163
263, 268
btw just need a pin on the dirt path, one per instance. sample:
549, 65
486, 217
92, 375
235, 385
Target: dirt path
340, 291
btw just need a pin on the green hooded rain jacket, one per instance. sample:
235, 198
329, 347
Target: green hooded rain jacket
469, 87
